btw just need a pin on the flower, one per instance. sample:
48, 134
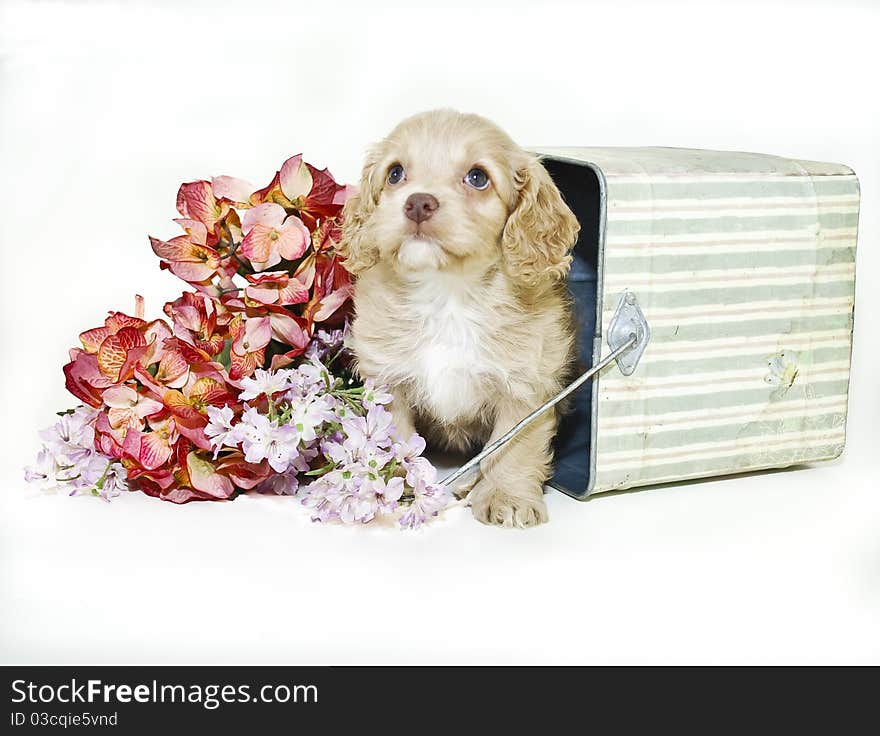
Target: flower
196, 202
374, 396
250, 336
72, 437
128, 408
68, 458
187, 258
309, 413
111, 354
325, 344
301, 186
199, 321
429, 499
265, 383
265, 439
221, 430
270, 234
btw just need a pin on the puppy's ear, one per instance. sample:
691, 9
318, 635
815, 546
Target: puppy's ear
541, 229
357, 247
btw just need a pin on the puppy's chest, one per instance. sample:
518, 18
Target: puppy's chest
451, 366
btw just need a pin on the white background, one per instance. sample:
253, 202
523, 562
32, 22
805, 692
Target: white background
106, 108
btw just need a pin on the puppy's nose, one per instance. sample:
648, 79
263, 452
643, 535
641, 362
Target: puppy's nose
420, 207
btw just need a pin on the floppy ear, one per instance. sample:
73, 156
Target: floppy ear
541, 229
357, 247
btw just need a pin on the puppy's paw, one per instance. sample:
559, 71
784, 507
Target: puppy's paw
491, 505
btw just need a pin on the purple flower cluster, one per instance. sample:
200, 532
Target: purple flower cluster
325, 343
68, 458
333, 445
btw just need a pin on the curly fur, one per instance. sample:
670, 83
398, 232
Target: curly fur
539, 233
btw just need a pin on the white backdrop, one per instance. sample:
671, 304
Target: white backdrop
106, 108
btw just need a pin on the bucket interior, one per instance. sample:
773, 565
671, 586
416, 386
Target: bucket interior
580, 187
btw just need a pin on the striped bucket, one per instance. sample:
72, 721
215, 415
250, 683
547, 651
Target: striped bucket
744, 267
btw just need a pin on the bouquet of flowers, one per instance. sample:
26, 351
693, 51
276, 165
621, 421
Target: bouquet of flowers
245, 383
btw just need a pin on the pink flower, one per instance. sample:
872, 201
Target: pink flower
270, 235
196, 201
128, 408
194, 262
250, 336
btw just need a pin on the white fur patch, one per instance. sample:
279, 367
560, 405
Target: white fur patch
418, 254
451, 356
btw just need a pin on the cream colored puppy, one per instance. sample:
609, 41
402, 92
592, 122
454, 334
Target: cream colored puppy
459, 240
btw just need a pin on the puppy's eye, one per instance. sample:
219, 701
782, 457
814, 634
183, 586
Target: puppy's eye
477, 178
396, 174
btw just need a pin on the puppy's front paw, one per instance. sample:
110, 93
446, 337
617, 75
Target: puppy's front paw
491, 505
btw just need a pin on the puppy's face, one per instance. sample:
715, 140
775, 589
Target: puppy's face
446, 189
442, 190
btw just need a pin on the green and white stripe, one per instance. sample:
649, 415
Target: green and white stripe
734, 258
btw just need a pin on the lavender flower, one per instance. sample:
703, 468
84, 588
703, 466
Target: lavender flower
429, 499
325, 344
374, 396
332, 444
220, 429
265, 383
69, 460
265, 439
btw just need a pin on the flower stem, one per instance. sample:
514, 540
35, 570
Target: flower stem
99, 486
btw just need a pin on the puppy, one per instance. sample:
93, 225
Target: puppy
459, 240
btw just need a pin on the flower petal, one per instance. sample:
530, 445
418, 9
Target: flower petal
195, 230
91, 339
83, 378
331, 302
154, 450
206, 479
120, 397
295, 178
117, 320
270, 214
342, 195
256, 335
173, 369
286, 329
241, 366
235, 190
125, 419
294, 238
195, 200
209, 391
118, 351
243, 474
